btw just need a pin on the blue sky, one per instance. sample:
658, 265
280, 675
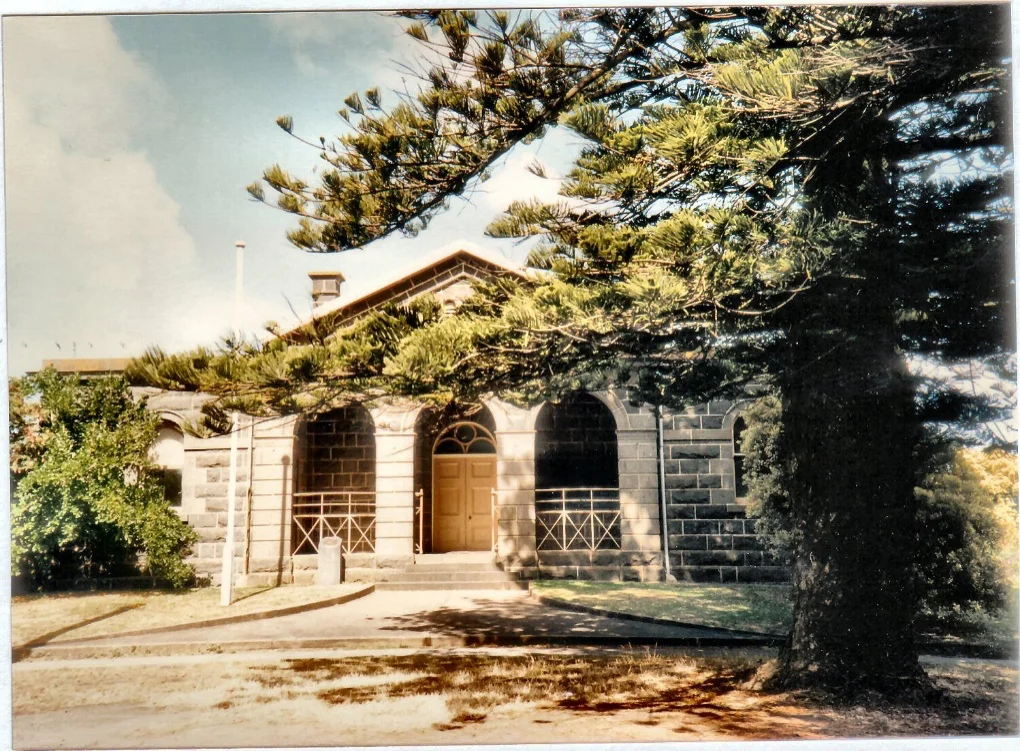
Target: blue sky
129, 142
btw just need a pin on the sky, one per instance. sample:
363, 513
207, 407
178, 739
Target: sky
128, 143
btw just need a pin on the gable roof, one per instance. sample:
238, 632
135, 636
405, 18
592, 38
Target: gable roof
440, 268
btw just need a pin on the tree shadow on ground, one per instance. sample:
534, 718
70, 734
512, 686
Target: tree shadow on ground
655, 688
489, 621
21, 651
684, 695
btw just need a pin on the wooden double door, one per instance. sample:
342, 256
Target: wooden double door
462, 502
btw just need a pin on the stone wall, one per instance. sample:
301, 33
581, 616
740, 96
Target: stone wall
576, 445
263, 494
204, 488
338, 451
710, 537
624, 457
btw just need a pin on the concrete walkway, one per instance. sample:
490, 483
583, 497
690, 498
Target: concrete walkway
392, 619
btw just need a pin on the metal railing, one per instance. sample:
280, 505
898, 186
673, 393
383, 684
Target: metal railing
347, 514
577, 519
419, 521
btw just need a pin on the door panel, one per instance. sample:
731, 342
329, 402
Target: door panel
449, 507
462, 498
481, 479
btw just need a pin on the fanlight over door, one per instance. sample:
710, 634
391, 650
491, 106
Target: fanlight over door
463, 477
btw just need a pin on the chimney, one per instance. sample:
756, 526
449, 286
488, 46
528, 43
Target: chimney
325, 286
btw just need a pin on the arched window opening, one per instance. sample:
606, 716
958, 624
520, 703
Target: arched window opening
168, 455
336, 482
577, 497
465, 438
739, 470
575, 445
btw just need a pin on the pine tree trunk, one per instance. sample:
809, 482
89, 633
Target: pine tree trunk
851, 435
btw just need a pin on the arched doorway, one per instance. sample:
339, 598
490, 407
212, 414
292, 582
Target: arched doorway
463, 478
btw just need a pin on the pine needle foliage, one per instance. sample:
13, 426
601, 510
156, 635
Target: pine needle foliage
800, 197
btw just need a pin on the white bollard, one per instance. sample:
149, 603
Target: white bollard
330, 562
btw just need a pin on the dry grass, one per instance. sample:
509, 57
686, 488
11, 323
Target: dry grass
505, 696
980, 698
56, 617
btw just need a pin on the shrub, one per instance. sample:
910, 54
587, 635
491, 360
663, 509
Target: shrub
966, 560
88, 502
970, 514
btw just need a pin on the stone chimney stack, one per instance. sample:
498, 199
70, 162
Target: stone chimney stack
325, 286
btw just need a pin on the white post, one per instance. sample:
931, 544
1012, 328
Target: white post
238, 285
227, 574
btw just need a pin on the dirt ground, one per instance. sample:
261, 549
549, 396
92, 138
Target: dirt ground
465, 696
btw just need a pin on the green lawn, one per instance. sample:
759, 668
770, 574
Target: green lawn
1002, 628
765, 609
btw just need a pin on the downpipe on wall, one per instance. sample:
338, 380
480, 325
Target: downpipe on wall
660, 451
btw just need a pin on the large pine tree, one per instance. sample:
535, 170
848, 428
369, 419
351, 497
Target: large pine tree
803, 197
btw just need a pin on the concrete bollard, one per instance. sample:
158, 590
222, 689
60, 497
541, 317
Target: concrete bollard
330, 562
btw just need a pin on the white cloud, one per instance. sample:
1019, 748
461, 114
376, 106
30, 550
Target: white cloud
365, 40
91, 233
307, 66
300, 29
514, 181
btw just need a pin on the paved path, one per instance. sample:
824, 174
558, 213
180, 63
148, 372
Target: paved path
433, 618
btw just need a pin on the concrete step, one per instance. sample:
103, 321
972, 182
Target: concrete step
448, 585
442, 568
412, 575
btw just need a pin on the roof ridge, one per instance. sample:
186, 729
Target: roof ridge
406, 271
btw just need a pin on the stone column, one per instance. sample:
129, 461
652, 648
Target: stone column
515, 484
270, 560
641, 541
394, 484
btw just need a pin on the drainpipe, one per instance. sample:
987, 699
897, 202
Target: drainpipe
661, 461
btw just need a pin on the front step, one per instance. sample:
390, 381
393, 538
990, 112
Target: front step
414, 575
462, 570
449, 585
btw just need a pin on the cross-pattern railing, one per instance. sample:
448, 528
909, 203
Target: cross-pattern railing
577, 519
347, 514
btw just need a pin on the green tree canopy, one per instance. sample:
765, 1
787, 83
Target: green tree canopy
803, 197
88, 499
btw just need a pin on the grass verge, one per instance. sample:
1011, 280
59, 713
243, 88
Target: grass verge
45, 618
713, 695
763, 609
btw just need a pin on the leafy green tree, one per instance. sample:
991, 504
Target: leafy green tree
966, 553
88, 498
970, 518
802, 197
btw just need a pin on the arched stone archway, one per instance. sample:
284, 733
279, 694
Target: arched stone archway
577, 496
336, 481
168, 455
576, 445
453, 507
